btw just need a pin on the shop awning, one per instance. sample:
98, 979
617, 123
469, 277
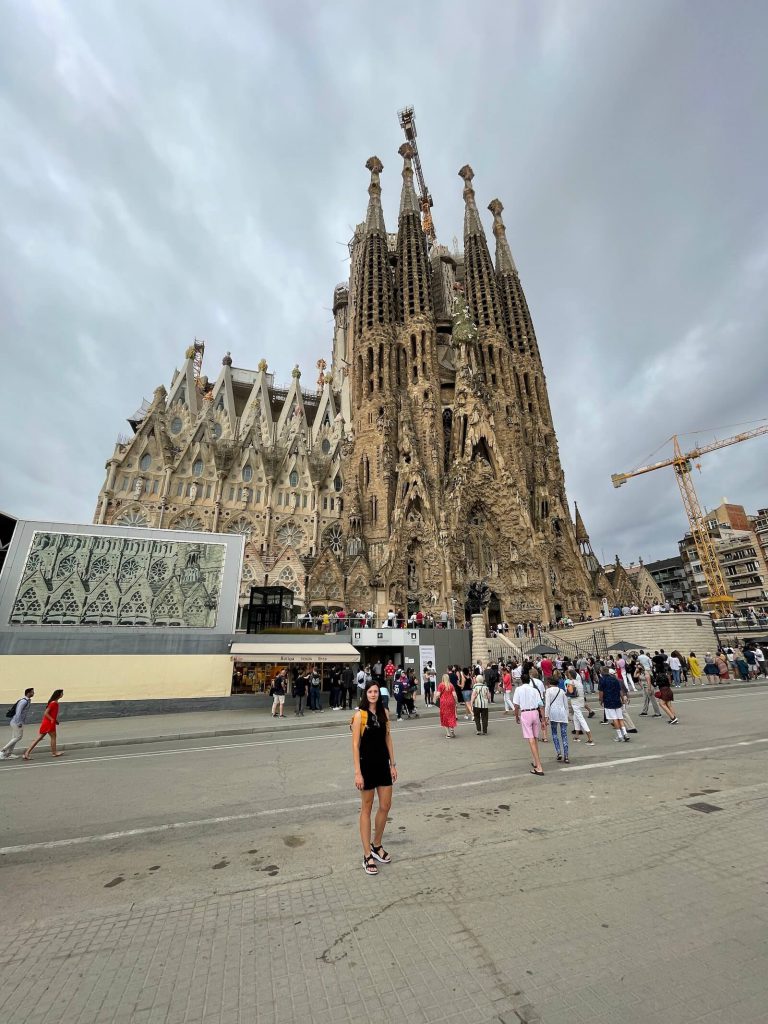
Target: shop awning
294, 653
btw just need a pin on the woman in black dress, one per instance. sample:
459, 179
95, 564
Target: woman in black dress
375, 770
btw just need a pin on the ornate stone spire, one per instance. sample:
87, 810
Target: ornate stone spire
409, 202
374, 220
480, 280
374, 304
582, 536
514, 307
414, 291
504, 262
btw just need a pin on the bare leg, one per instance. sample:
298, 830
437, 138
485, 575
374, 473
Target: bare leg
667, 710
533, 743
366, 806
53, 745
385, 805
31, 747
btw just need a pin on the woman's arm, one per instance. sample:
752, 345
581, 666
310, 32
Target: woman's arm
391, 749
356, 750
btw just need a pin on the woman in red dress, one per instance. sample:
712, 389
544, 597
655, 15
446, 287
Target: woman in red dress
445, 696
48, 724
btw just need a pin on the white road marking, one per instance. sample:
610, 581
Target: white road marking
318, 805
61, 762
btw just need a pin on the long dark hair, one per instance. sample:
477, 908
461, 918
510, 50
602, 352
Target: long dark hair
55, 695
380, 713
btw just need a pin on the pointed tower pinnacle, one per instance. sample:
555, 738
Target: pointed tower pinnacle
374, 220
482, 293
374, 285
504, 262
414, 287
409, 202
472, 223
582, 537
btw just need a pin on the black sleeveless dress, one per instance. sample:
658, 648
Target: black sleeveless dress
374, 755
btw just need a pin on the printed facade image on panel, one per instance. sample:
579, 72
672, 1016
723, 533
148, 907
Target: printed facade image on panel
78, 579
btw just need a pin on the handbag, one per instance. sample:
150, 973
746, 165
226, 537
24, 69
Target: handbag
657, 695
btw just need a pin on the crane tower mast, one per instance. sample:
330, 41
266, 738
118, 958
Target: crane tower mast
408, 124
719, 599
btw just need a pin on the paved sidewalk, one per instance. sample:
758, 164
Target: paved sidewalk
107, 732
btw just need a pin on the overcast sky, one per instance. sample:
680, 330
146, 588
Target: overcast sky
178, 170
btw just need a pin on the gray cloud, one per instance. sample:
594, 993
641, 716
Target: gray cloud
170, 171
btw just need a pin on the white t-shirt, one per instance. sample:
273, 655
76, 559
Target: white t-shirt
516, 674
556, 704
527, 697
674, 664
577, 697
759, 656
645, 661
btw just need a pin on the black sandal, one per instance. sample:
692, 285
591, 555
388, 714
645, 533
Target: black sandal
368, 866
534, 772
380, 854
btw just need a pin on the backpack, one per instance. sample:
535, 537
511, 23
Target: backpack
12, 711
363, 720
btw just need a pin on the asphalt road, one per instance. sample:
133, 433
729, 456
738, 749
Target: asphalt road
146, 831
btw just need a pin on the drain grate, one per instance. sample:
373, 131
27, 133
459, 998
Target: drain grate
704, 808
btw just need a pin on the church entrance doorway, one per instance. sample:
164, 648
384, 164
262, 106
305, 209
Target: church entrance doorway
494, 611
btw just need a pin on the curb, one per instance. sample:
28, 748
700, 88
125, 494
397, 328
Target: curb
271, 730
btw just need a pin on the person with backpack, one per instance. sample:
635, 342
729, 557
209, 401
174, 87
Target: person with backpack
315, 688
48, 725
18, 716
556, 715
398, 686
373, 756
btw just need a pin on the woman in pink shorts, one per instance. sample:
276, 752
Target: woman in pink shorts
528, 705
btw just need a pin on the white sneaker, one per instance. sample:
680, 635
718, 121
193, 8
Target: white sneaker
5, 757
618, 739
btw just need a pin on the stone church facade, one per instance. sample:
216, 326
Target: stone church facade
424, 459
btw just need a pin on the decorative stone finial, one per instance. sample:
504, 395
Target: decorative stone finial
227, 360
263, 366
406, 151
374, 165
328, 378
190, 352
467, 174
296, 372
496, 207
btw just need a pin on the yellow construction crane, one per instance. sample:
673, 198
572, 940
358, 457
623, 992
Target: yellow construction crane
719, 599
408, 124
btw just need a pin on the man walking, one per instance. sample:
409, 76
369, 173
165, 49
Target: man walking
18, 718
528, 707
611, 698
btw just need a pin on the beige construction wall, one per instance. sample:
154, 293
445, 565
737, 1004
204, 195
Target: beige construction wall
87, 677
671, 631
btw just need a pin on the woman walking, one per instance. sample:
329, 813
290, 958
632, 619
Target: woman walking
445, 695
556, 715
711, 671
574, 687
479, 701
373, 756
694, 667
466, 691
665, 696
48, 725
